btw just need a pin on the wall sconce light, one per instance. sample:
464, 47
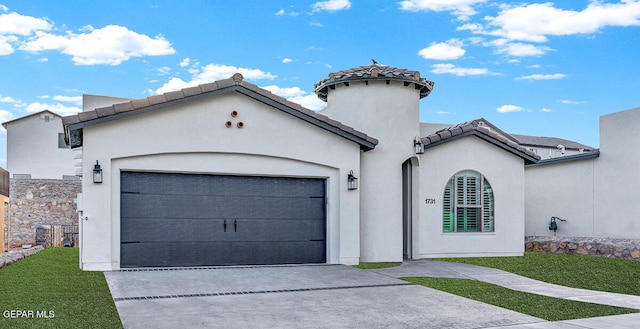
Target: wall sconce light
352, 181
418, 146
97, 173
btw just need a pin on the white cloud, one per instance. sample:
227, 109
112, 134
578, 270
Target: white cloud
5, 44
461, 8
534, 22
287, 60
110, 45
509, 108
459, 71
5, 116
43, 59
331, 5
285, 92
163, 70
185, 62
297, 95
213, 72
7, 99
283, 12
56, 108
69, 99
4, 8
546, 110
452, 49
554, 76
534, 66
567, 101
310, 101
517, 49
445, 113
16, 24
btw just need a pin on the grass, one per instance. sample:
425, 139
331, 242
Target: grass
548, 308
586, 272
51, 281
370, 266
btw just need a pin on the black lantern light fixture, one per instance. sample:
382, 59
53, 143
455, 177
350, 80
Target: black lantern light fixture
418, 146
352, 181
97, 173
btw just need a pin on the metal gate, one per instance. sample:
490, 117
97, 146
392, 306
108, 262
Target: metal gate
195, 220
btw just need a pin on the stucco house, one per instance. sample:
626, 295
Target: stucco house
227, 173
36, 147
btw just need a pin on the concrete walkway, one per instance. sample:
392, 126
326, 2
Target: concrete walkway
512, 281
334, 296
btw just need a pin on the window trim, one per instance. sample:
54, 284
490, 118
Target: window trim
481, 198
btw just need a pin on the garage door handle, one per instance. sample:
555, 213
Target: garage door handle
225, 225
235, 226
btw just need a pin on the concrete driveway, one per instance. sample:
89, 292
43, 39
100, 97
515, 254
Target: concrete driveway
301, 296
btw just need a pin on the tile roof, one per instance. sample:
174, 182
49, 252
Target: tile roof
477, 128
373, 72
234, 84
551, 142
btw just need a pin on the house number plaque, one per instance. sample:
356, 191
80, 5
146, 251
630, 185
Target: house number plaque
430, 201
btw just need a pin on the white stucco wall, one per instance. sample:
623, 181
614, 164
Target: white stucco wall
616, 180
92, 102
389, 112
564, 190
32, 148
505, 173
193, 138
597, 197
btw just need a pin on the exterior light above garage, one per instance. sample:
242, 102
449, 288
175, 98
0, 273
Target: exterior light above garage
418, 146
97, 173
352, 181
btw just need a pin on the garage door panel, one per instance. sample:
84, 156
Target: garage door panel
219, 207
178, 220
187, 184
198, 230
171, 230
222, 253
279, 230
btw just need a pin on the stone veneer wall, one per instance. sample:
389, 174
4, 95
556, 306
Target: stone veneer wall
16, 255
605, 247
36, 202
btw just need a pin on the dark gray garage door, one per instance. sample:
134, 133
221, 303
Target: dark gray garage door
195, 220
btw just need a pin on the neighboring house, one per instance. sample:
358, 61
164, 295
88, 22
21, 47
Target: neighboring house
551, 147
545, 147
227, 173
36, 147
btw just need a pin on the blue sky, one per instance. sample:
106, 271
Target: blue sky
536, 68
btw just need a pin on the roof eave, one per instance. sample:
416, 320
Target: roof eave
568, 158
528, 159
366, 142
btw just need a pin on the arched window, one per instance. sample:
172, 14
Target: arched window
468, 203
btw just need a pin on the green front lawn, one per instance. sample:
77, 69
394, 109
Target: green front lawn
548, 308
373, 265
586, 272
48, 290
